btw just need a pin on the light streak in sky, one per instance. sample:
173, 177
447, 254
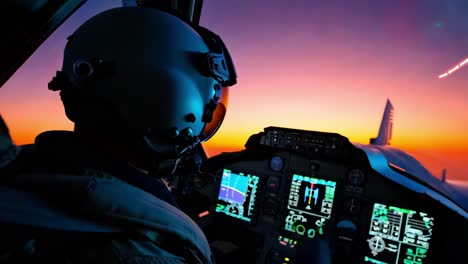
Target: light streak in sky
454, 68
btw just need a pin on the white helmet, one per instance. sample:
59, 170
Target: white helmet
148, 73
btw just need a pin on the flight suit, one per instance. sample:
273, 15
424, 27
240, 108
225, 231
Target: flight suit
62, 204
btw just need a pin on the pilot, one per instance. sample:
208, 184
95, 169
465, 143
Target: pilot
143, 86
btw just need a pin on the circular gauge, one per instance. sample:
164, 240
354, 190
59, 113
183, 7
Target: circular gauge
376, 245
276, 163
235, 209
356, 176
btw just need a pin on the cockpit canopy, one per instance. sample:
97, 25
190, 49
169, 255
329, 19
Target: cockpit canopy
26, 24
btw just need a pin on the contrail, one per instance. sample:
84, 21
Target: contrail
454, 68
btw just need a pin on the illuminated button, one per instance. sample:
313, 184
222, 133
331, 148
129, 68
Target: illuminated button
203, 214
311, 233
300, 229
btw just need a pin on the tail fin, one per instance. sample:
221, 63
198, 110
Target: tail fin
385, 131
444, 175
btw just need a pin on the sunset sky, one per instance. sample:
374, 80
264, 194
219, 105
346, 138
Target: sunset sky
315, 65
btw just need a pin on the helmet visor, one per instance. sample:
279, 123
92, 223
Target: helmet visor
218, 116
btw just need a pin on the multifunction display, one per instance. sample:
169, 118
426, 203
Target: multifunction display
310, 204
237, 194
398, 235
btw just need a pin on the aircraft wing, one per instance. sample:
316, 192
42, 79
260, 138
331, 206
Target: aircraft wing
401, 166
406, 170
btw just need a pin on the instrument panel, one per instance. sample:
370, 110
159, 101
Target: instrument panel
398, 235
237, 195
310, 204
317, 202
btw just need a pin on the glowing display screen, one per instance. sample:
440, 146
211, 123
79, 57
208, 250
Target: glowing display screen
398, 235
310, 205
236, 196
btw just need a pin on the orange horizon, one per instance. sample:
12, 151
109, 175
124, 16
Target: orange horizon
435, 157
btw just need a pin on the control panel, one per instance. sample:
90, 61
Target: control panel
283, 205
398, 235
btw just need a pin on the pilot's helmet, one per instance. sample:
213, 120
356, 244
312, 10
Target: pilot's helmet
147, 72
